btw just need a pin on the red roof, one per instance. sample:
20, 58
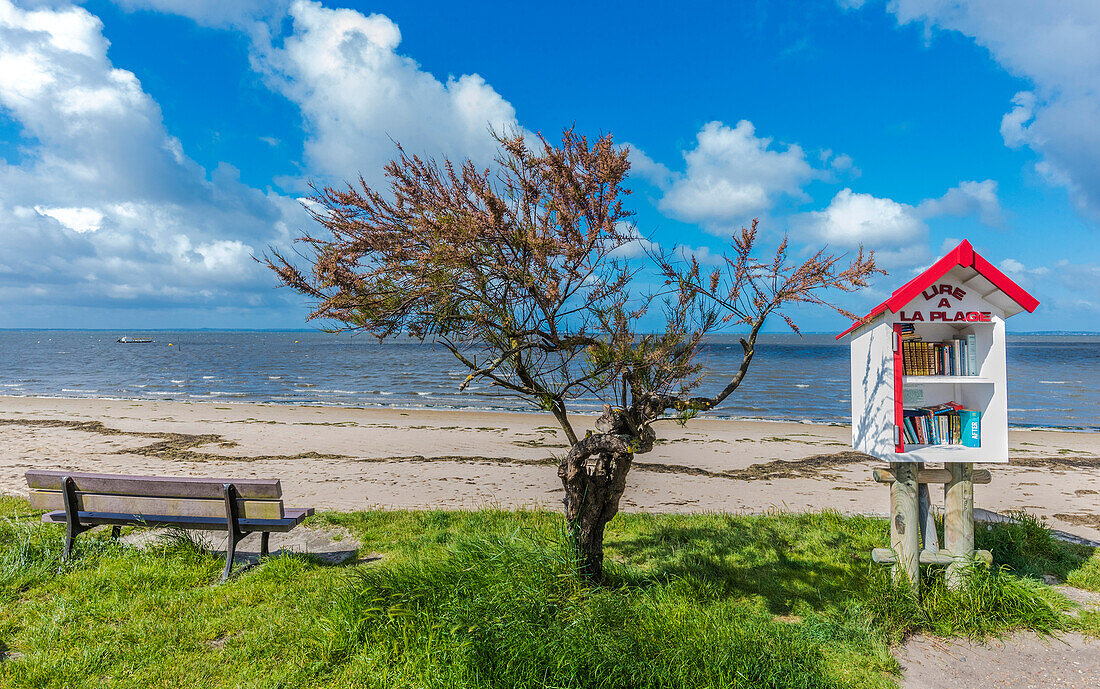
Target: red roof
962, 256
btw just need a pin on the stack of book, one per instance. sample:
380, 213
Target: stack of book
943, 424
958, 357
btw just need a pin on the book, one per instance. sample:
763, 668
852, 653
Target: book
956, 357
948, 423
972, 354
970, 422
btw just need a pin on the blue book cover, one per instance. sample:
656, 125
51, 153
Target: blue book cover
971, 422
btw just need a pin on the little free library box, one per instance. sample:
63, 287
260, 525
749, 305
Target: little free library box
928, 385
928, 365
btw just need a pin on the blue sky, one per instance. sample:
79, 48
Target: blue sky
149, 148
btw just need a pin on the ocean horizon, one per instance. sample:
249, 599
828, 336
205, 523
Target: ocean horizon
1053, 380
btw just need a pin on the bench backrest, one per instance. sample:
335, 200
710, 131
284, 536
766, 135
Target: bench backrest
156, 495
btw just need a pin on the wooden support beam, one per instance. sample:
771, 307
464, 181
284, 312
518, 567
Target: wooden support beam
958, 520
930, 540
905, 523
980, 476
885, 556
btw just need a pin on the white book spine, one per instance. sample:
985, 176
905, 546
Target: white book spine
972, 354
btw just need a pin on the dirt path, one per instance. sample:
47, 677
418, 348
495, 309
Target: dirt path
1020, 661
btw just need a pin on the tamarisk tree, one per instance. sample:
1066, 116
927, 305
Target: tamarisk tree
517, 272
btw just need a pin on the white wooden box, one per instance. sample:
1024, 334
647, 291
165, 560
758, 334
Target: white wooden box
961, 294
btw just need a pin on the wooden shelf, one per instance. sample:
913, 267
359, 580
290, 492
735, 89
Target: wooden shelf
948, 379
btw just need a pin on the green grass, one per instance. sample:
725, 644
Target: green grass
492, 599
1028, 548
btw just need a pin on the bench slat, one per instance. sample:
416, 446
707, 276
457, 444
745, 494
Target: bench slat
293, 518
176, 507
155, 486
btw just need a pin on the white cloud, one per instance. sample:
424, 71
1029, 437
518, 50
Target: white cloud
732, 175
1057, 48
702, 254
104, 206
969, 198
1021, 273
645, 167
882, 224
896, 231
843, 163
358, 95
76, 219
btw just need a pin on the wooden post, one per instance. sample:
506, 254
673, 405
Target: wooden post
930, 540
905, 523
958, 521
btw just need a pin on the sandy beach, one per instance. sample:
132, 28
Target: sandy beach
354, 458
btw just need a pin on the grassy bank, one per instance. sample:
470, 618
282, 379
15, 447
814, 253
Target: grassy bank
492, 599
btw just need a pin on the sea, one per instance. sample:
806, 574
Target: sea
1053, 380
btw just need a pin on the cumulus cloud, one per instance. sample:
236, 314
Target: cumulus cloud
896, 231
1056, 48
969, 198
730, 176
103, 204
358, 94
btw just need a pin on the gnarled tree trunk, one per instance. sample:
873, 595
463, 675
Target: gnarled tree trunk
594, 473
591, 500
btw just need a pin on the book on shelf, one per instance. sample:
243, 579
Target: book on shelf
972, 354
971, 433
942, 424
957, 357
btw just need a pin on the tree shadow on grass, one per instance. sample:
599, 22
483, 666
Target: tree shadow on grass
786, 566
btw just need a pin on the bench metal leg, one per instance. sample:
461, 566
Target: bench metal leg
116, 531
73, 527
265, 538
233, 527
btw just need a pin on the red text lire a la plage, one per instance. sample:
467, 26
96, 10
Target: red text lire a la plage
944, 293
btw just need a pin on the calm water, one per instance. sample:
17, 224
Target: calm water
1053, 380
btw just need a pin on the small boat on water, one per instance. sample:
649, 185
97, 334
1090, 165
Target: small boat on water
133, 340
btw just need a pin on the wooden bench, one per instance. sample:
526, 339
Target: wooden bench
239, 507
